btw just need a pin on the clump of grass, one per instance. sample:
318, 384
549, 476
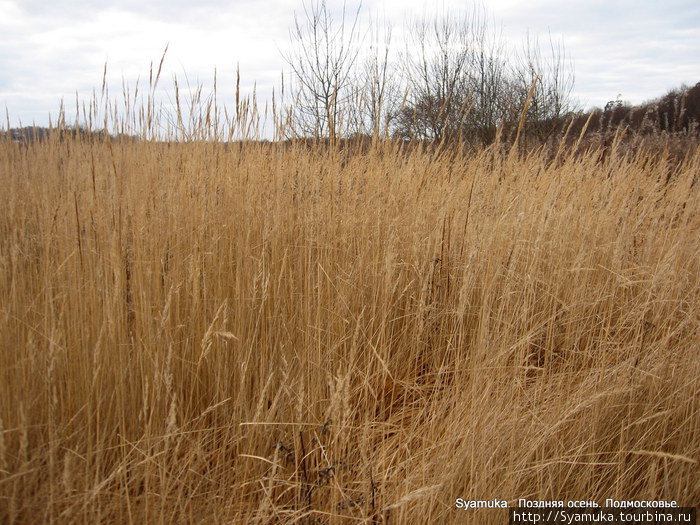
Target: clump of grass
216, 332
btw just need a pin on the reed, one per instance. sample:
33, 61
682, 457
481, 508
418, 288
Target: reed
248, 332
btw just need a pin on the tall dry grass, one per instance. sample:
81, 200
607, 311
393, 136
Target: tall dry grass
258, 333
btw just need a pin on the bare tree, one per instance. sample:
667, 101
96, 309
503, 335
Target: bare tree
551, 73
487, 82
437, 94
322, 59
376, 85
457, 80
463, 83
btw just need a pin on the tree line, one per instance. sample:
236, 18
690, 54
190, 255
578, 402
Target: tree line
451, 78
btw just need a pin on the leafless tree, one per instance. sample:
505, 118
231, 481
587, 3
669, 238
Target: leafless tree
545, 71
437, 59
463, 83
377, 85
457, 80
323, 56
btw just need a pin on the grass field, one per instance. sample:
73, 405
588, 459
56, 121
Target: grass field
260, 333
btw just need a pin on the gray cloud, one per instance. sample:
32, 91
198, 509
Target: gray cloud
638, 48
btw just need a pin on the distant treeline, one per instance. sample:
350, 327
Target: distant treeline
676, 115
30, 134
676, 112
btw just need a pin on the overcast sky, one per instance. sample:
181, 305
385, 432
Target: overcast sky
51, 49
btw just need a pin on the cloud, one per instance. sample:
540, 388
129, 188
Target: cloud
50, 50
49, 53
637, 48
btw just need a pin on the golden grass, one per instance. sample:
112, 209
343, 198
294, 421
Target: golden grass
254, 333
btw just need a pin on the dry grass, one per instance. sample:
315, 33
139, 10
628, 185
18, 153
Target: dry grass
264, 334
